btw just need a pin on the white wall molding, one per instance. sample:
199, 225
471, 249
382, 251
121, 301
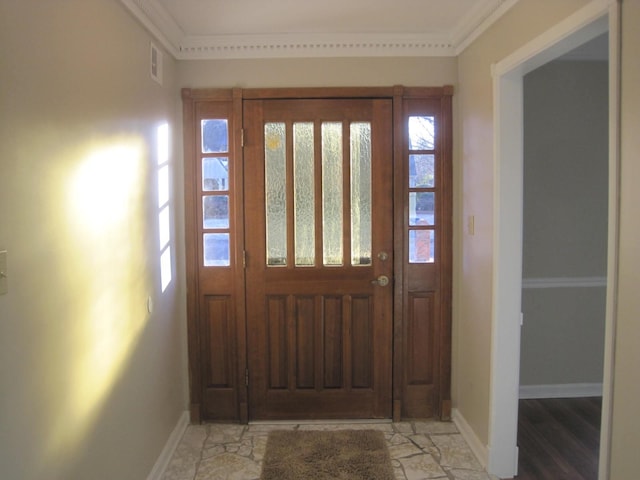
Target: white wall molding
564, 282
183, 46
479, 450
317, 45
565, 390
584, 25
159, 23
157, 472
477, 21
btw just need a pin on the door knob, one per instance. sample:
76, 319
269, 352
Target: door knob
381, 281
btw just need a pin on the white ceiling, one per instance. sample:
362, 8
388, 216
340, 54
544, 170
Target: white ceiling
257, 17
287, 28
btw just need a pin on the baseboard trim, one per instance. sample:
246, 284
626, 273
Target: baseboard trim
157, 472
479, 450
566, 390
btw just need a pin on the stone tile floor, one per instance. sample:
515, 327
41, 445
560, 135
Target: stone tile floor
419, 450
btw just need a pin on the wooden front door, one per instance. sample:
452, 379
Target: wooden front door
319, 264
318, 252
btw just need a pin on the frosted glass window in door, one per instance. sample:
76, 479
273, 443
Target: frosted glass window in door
360, 193
332, 190
275, 192
304, 195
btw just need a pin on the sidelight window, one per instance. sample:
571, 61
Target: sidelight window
214, 167
422, 189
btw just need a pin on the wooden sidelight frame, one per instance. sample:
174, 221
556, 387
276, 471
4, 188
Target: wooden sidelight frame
216, 308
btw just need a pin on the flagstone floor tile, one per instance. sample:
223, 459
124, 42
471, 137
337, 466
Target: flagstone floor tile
419, 450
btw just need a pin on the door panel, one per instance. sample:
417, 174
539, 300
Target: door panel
319, 326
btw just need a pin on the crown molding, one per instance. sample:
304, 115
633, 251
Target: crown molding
181, 46
316, 45
477, 21
159, 23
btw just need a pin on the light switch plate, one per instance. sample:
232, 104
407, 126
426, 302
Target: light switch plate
4, 280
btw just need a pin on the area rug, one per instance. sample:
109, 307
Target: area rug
324, 455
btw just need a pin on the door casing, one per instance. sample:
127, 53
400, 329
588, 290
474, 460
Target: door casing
216, 308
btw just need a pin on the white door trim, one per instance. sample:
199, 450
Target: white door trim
587, 23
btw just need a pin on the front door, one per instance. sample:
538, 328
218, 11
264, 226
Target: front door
319, 266
314, 216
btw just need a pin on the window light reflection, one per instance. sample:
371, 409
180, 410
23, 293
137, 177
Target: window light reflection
163, 144
164, 227
164, 215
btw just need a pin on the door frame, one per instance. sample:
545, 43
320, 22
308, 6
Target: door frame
406, 402
589, 22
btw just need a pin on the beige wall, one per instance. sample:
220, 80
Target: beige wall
526, 20
91, 385
319, 72
625, 461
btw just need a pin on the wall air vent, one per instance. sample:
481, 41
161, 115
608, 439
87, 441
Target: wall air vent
156, 63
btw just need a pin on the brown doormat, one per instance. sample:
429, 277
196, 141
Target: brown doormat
320, 455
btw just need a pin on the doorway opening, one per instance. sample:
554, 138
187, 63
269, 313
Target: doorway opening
564, 263
581, 27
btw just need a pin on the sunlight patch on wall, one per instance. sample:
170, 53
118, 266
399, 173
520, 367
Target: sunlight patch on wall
103, 187
106, 215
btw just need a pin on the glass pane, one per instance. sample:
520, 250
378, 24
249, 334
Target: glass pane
361, 194
215, 174
275, 192
304, 194
421, 208
421, 246
421, 133
215, 136
216, 250
332, 193
215, 211
421, 171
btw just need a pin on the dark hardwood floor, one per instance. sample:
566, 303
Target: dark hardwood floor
559, 438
